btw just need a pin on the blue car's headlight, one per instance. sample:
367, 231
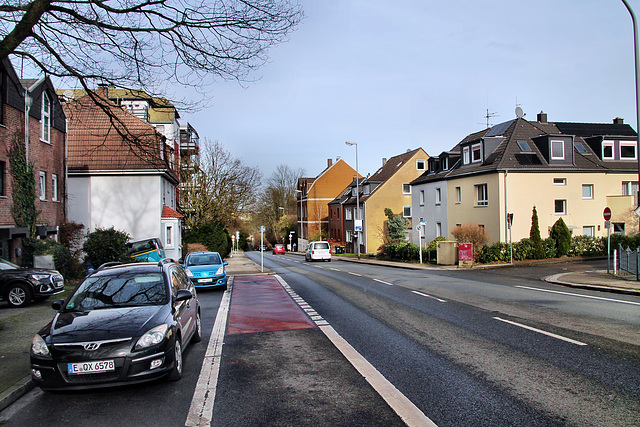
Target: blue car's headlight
220, 271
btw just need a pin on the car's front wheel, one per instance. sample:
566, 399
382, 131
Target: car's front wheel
18, 295
176, 372
197, 336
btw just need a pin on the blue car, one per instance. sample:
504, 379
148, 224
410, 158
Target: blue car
206, 270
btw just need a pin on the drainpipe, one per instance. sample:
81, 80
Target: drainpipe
27, 108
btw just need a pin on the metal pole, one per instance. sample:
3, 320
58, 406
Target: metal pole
637, 68
358, 201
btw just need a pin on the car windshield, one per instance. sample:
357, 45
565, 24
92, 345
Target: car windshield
121, 290
204, 259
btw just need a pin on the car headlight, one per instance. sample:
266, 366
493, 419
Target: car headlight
152, 337
39, 277
39, 347
189, 273
220, 271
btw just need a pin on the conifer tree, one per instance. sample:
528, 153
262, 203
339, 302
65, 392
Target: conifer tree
534, 235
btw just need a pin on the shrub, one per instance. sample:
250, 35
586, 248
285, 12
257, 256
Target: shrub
213, 235
587, 246
106, 245
471, 233
561, 235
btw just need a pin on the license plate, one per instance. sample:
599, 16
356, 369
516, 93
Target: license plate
92, 367
205, 280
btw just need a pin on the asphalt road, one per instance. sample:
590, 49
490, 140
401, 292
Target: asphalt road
496, 347
457, 343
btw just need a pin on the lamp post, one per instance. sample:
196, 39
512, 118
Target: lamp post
637, 68
355, 221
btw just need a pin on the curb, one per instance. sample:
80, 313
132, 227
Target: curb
556, 279
16, 391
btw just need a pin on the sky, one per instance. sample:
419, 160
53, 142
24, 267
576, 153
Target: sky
398, 75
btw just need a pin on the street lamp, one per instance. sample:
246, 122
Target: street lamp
637, 68
355, 222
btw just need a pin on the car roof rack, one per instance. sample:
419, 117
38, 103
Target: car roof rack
108, 264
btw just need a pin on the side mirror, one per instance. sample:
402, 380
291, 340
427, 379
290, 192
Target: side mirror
183, 295
226, 263
57, 304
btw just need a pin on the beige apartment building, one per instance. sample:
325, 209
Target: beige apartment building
566, 170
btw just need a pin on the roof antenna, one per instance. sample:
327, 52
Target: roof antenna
489, 116
519, 112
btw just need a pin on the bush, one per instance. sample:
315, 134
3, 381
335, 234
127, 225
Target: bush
106, 245
213, 235
471, 233
587, 246
561, 235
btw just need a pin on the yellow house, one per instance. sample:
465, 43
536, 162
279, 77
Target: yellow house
389, 188
566, 170
314, 195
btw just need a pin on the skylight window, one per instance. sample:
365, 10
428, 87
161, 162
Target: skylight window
580, 147
524, 145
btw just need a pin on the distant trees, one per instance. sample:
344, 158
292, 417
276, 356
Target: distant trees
221, 190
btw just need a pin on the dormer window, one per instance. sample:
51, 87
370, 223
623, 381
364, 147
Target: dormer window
476, 153
607, 150
628, 150
366, 189
445, 163
466, 155
557, 150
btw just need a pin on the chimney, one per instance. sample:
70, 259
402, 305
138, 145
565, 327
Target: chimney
329, 163
384, 161
542, 117
618, 121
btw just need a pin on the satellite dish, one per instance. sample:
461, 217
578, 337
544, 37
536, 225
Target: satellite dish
68, 94
519, 113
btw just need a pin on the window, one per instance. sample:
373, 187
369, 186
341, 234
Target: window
406, 188
445, 164
438, 196
3, 168
607, 150
421, 165
45, 119
421, 197
347, 214
406, 211
629, 188
618, 227
43, 185
580, 147
458, 195
482, 198
54, 187
524, 145
354, 191
348, 236
169, 236
438, 229
560, 207
476, 153
366, 189
559, 181
628, 151
557, 150
588, 230
587, 191
466, 155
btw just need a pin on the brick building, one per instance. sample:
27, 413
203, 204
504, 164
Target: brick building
44, 144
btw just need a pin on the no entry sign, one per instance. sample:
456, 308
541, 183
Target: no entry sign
606, 214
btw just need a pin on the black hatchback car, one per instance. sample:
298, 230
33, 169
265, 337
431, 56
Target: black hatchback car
19, 286
123, 324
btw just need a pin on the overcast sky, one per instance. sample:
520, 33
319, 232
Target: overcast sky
398, 75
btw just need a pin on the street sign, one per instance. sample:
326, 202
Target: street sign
418, 228
606, 214
358, 225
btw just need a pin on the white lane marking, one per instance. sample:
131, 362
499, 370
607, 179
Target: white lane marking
540, 331
579, 295
402, 406
335, 269
383, 282
429, 296
354, 274
201, 409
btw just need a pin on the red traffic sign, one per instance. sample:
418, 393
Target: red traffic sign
606, 214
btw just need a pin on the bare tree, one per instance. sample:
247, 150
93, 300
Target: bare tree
221, 191
144, 44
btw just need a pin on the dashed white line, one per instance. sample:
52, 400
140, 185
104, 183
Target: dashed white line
579, 295
383, 282
429, 296
354, 274
540, 331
